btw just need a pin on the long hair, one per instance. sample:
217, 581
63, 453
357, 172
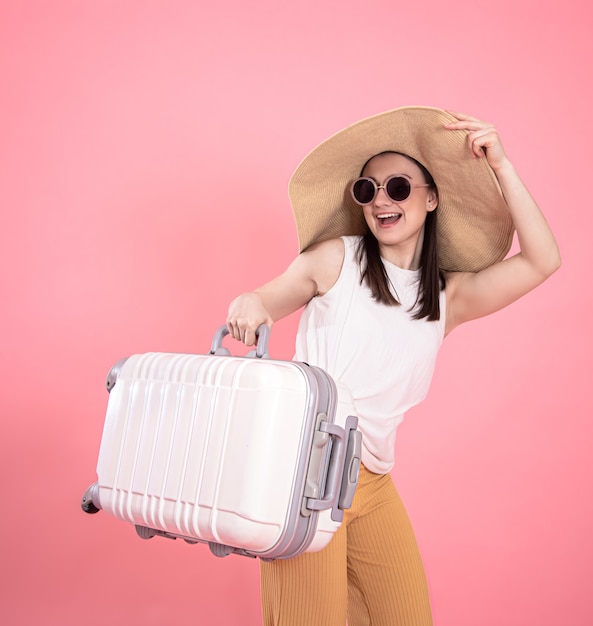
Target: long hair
432, 279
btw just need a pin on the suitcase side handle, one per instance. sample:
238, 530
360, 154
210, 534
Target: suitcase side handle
261, 351
344, 465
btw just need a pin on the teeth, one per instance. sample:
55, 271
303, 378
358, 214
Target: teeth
388, 215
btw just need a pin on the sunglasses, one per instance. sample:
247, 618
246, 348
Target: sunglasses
398, 188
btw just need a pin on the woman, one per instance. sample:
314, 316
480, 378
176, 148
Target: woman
404, 222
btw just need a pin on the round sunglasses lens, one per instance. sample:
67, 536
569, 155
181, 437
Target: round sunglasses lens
363, 190
398, 188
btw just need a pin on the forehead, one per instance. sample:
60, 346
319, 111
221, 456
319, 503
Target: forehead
387, 164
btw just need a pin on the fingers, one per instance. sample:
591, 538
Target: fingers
246, 314
478, 141
239, 332
482, 138
467, 122
234, 330
462, 117
242, 331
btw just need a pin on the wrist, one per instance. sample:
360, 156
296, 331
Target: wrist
504, 168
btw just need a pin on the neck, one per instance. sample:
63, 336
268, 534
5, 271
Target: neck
406, 256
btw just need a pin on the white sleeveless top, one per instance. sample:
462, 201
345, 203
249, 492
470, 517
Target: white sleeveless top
381, 358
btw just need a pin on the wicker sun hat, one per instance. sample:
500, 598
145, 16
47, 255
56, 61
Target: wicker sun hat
474, 226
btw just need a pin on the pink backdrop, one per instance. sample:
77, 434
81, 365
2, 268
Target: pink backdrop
145, 150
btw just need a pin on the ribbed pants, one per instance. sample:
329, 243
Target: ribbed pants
371, 572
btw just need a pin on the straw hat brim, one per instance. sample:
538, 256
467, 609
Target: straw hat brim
474, 226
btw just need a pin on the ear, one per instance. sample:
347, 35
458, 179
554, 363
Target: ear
432, 200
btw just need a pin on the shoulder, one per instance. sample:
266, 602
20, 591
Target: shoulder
328, 248
325, 260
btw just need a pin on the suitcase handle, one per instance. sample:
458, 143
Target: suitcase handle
261, 350
342, 474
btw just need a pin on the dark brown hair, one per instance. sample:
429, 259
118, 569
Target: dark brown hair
431, 281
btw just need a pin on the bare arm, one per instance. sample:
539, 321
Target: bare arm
469, 295
312, 273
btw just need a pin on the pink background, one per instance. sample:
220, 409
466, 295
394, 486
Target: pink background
145, 150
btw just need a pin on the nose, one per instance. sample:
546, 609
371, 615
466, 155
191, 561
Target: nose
382, 198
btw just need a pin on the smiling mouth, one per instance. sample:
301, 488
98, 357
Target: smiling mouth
388, 218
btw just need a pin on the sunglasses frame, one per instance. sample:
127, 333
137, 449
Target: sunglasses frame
383, 186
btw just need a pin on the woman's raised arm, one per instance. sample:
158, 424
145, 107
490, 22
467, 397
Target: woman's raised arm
470, 295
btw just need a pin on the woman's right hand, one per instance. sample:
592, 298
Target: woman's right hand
246, 314
311, 274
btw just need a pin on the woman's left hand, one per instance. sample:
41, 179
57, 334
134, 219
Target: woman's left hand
483, 139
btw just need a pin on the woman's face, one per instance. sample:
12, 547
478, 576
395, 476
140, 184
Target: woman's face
398, 226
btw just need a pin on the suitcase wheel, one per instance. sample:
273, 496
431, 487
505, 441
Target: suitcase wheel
90, 500
88, 506
145, 533
220, 550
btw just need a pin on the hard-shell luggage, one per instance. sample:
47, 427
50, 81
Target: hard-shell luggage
251, 455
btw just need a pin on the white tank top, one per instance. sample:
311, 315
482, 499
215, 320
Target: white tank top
381, 358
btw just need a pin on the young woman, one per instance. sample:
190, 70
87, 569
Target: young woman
404, 222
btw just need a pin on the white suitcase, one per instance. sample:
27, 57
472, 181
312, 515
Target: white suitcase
251, 455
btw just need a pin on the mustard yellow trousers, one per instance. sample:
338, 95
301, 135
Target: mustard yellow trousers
371, 572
